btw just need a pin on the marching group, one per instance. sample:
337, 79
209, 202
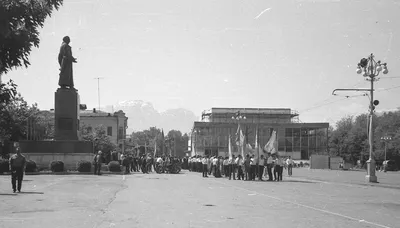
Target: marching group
130, 163
248, 168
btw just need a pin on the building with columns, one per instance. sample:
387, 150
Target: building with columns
299, 140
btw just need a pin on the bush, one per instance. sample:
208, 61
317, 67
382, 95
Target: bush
30, 166
84, 166
4, 166
57, 166
114, 166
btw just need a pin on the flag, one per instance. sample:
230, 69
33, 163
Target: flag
230, 147
249, 149
256, 149
238, 136
270, 146
240, 140
162, 142
155, 147
193, 149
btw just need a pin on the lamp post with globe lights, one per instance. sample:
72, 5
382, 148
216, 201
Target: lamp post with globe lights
386, 139
370, 69
238, 116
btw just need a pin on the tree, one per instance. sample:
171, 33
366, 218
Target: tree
149, 138
99, 137
339, 138
13, 118
7, 92
20, 21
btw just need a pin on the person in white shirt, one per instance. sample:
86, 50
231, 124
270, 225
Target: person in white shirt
205, 164
214, 166
270, 164
289, 163
253, 169
278, 168
260, 167
240, 166
226, 167
232, 167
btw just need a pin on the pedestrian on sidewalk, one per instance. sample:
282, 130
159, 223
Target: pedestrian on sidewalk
261, 167
17, 168
97, 160
289, 163
205, 162
270, 164
232, 167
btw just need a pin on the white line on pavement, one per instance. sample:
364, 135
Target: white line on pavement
305, 206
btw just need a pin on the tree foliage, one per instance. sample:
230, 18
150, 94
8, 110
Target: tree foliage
13, 118
20, 21
173, 141
7, 92
99, 137
349, 139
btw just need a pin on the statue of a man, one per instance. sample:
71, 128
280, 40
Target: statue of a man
65, 59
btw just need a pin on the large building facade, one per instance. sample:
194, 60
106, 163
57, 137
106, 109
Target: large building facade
299, 140
115, 123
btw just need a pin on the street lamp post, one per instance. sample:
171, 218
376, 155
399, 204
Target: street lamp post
386, 139
370, 69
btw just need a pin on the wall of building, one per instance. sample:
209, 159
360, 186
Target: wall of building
106, 121
298, 141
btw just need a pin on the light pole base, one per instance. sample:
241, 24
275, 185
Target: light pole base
371, 177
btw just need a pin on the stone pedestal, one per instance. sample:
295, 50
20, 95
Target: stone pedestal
66, 110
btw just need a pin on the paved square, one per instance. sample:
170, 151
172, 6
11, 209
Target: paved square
188, 200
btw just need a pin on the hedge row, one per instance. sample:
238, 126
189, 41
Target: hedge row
58, 166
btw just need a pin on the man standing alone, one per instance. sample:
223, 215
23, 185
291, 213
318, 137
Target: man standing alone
17, 168
97, 160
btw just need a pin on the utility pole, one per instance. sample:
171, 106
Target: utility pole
370, 69
98, 89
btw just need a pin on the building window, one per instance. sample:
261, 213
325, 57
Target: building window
109, 131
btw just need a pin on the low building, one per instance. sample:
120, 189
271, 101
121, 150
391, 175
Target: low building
115, 123
299, 140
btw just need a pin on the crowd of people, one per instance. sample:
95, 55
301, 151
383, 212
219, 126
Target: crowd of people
146, 163
247, 168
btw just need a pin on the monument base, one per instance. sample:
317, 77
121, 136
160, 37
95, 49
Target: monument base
69, 152
66, 114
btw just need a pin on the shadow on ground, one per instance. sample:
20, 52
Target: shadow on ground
40, 193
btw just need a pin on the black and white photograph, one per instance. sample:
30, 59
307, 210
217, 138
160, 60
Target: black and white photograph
199, 113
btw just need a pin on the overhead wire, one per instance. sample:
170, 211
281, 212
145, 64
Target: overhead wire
318, 106
322, 102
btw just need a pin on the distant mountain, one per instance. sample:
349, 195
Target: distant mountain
142, 115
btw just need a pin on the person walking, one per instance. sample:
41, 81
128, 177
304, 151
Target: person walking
240, 166
17, 168
270, 163
279, 166
261, 167
205, 162
232, 167
97, 160
289, 163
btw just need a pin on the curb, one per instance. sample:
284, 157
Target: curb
351, 183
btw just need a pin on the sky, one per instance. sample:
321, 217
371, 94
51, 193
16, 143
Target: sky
198, 54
